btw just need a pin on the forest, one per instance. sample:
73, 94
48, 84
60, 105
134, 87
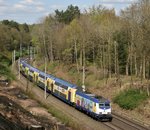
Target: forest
113, 44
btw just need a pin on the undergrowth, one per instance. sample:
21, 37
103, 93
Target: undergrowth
5, 70
130, 99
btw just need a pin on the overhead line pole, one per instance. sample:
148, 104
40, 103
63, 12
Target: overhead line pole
19, 59
45, 59
45, 77
19, 67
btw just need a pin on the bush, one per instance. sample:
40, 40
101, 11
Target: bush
130, 99
5, 71
4, 67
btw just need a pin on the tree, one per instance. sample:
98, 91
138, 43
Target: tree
67, 16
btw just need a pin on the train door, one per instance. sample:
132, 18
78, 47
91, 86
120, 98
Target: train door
48, 84
78, 102
94, 106
26, 71
35, 78
52, 87
69, 95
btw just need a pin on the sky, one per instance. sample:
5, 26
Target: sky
31, 11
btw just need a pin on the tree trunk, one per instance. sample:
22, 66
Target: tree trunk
115, 49
109, 58
127, 64
104, 65
101, 57
144, 66
44, 43
131, 65
135, 65
83, 78
141, 68
127, 68
76, 55
51, 51
81, 58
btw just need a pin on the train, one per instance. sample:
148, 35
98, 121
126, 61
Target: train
94, 106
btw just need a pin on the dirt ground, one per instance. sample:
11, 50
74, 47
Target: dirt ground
19, 112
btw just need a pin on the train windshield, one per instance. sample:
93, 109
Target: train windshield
107, 105
101, 105
104, 105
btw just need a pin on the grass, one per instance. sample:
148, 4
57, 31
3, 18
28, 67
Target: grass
63, 118
130, 99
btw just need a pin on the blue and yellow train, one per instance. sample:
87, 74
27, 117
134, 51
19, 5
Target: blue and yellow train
97, 107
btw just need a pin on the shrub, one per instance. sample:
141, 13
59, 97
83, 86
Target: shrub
130, 99
5, 70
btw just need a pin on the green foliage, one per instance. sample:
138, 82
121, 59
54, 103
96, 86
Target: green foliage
115, 44
4, 60
67, 55
52, 67
122, 40
4, 67
79, 82
72, 70
5, 71
12, 34
25, 28
130, 99
11, 24
68, 15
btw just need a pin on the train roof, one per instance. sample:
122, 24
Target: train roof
47, 75
82, 94
59, 81
65, 83
37, 70
51, 76
92, 97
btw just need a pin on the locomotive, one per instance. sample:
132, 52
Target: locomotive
97, 107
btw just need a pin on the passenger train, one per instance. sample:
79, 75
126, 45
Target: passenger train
98, 108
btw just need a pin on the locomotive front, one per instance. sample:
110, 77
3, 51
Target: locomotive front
104, 110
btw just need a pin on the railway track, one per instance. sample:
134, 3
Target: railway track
118, 122
125, 123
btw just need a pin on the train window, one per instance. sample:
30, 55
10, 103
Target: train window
62, 86
101, 105
31, 71
41, 76
107, 104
